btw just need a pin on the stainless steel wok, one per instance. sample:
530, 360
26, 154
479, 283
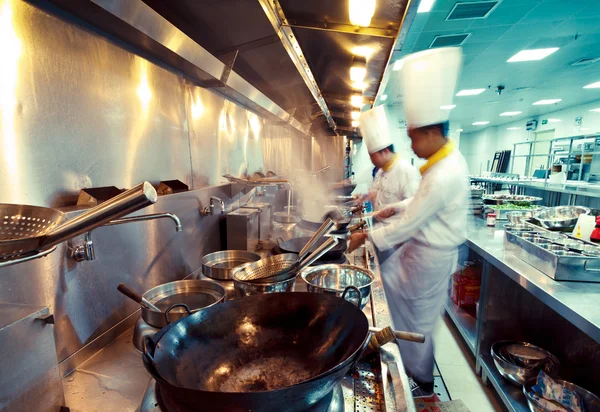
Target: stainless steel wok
274, 352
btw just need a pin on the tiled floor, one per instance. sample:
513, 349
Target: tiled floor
456, 365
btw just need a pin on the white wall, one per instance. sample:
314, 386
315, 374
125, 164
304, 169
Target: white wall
479, 147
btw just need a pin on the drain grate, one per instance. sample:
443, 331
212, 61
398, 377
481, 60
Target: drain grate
367, 390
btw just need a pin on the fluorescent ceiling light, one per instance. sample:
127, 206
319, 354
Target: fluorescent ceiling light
470, 92
513, 128
510, 113
358, 71
425, 6
364, 51
356, 100
359, 85
355, 115
596, 110
553, 120
459, 130
354, 123
398, 64
480, 123
383, 98
533, 54
547, 101
592, 86
361, 12
448, 107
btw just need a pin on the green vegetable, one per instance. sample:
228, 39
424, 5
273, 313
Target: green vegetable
512, 206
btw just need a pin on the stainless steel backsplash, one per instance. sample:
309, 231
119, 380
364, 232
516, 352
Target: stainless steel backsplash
78, 109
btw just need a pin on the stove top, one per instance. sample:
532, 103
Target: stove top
152, 401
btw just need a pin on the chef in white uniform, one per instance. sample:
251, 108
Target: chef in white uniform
431, 225
396, 179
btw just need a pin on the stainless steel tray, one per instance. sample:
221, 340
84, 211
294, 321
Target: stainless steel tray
501, 213
575, 267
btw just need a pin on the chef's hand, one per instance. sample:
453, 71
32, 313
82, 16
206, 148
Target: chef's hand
386, 213
356, 240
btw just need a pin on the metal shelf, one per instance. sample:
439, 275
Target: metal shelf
465, 323
511, 395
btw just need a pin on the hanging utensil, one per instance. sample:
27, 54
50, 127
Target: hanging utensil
27, 229
136, 297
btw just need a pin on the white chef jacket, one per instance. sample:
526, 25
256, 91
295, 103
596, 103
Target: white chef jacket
431, 225
395, 185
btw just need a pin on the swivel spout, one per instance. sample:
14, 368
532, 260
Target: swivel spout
210, 210
87, 251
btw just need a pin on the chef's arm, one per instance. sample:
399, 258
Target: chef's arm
416, 212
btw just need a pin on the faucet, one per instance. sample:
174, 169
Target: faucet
210, 210
87, 252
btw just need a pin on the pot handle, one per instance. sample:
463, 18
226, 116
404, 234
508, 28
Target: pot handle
148, 359
181, 305
353, 289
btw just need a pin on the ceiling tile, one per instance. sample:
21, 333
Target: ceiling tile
487, 34
556, 10
505, 14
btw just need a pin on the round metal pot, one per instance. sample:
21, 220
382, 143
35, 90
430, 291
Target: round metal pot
196, 294
283, 225
334, 279
219, 265
518, 375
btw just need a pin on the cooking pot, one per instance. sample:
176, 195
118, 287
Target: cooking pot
273, 352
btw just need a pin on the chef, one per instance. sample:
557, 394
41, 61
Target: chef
432, 224
396, 179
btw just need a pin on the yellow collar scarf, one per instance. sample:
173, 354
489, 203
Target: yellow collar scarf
444, 151
386, 167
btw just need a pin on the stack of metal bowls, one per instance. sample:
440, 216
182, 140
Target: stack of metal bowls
335, 279
243, 273
520, 361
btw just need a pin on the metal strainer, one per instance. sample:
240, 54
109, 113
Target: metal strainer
264, 267
28, 229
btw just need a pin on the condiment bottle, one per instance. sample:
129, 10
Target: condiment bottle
491, 219
595, 236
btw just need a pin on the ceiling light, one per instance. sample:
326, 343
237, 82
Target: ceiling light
448, 107
356, 100
510, 113
363, 51
547, 101
361, 12
354, 123
592, 86
513, 128
359, 85
553, 120
459, 130
355, 115
595, 110
358, 71
533, 54
425, 6
470, 92
398, 64
480, 123
383, 98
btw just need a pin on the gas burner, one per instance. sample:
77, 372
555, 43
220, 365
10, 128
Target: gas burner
152, 401
276, 250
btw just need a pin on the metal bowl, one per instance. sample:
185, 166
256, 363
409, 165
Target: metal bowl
271, 264
554, 236
590, 401
561, 217
555, 248
336, 278
518, 375
518, 228
519, 217
219, 265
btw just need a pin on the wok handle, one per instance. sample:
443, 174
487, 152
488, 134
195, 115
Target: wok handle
357, 226
127, 202
355, 290
180, 305
148, 359
325, 227
409, 336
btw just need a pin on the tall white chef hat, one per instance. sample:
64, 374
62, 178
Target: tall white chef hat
428, 80
374, 129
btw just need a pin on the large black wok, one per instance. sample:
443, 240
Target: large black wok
296, 244
272, 352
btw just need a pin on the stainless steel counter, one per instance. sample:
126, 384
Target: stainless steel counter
577, 302
115, 378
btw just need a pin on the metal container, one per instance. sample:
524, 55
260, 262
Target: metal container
196, 294
561, 217
335, 279
502, 214
264, 217
277, 262
519, 217
243, 229
518, 375
283, 225
218, 265
590, 401
555, 248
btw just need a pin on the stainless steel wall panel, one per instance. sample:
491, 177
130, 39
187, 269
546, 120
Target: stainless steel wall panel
329, 151
79, 111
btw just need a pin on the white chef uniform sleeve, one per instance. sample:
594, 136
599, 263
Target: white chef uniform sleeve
426, 203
